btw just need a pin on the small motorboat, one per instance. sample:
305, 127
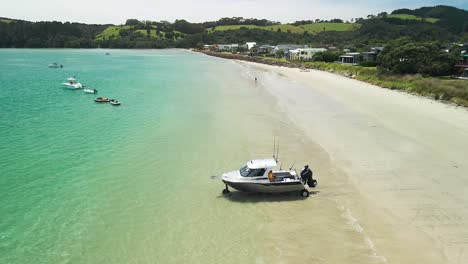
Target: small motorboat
260, 176
107, 53
114, 102
55, 65
102, 100
89, 90
72, 83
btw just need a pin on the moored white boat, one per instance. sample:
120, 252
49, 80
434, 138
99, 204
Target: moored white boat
72, 83
90, 90
55, 65
114, 102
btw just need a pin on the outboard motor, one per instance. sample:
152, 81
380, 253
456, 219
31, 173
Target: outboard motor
311, 182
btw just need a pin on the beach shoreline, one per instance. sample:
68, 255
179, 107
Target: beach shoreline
388, 145
347, 74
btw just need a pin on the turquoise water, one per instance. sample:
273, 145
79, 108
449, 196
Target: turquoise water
82, 182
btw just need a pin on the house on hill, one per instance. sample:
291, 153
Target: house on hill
462, 62
250, 45
356, 58
372, 55
351, 58
225, 47
304, 54
262, 50
287, 48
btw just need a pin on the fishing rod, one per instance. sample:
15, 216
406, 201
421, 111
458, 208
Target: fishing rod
292, 165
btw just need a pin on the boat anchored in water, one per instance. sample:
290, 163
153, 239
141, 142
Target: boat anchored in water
114, 102
102, 100
260, 176
90, 90
72, 83
55, 65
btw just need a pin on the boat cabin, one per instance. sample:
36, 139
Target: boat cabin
71, 80
264, 169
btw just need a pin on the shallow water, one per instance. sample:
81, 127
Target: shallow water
83, 182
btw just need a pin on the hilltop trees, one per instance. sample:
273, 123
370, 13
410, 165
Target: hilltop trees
406, 57
133, 22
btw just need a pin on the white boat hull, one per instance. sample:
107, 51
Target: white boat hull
261, 184
266, 187
74, 85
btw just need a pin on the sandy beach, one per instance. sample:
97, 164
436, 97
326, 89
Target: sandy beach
392, 168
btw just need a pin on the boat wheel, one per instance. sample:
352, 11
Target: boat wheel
305, 193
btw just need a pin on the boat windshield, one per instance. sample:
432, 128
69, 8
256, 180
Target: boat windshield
247, 172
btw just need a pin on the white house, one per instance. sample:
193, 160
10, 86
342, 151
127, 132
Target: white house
304, 54
250, 45
226, 47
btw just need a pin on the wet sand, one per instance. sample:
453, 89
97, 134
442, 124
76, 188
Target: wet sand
392, 171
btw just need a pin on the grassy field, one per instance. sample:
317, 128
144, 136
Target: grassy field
110, 32
152, 33
114, 31
319, 27
311, 28
412, 17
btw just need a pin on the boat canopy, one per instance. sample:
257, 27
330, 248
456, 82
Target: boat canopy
71, 79
262, 163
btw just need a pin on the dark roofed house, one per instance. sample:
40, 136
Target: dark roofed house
261, 50
462, 62
372, 55
351, 58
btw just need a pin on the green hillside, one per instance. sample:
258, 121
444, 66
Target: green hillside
311, 28
412, 17
321, 27
111, 32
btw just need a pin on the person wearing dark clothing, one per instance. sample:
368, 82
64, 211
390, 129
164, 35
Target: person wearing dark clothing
306, 176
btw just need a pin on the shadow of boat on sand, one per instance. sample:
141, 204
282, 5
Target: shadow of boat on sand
243, 197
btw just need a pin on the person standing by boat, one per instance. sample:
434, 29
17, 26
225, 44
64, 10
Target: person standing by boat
306, 175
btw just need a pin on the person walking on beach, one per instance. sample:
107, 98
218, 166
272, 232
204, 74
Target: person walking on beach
306, 176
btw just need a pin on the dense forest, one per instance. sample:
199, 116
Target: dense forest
441, 23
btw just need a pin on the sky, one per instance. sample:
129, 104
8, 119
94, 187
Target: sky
117, 11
